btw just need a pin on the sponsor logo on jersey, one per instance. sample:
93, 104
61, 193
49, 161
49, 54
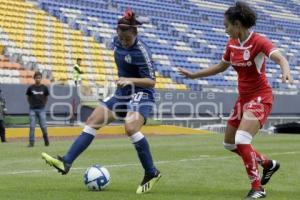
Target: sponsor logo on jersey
242, 64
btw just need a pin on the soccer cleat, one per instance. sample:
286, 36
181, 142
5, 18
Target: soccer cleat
256, 194
58, 163
268, 172
148, 182
47, 143
30, 145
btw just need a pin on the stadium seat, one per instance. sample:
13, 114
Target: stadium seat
188, 34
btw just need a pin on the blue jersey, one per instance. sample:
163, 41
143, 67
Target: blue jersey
133, 62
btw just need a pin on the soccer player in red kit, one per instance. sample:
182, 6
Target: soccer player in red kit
246, 51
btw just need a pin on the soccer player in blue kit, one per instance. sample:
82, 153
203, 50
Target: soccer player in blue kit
133, 100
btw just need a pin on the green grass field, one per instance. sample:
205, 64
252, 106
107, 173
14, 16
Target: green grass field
194, 167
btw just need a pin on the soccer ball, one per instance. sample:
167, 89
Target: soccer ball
96, 178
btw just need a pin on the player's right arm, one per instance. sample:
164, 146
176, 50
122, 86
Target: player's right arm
28, 93
215, 69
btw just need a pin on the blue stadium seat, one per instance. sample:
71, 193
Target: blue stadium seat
184, 31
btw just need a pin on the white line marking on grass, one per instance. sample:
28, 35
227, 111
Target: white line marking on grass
24, 172
284, 153
201, 157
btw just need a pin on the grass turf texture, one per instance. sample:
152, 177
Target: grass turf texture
193, 167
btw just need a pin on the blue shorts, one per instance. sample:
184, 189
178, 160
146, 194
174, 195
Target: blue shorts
140, 102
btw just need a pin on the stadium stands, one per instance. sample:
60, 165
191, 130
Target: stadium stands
41, 39
187, 34
15, 73
53, 46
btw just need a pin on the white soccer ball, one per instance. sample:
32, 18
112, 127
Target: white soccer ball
96, 178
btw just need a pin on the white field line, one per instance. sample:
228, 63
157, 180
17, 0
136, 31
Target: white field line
200, 158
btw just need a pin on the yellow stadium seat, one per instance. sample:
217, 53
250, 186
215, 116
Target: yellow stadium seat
61, 53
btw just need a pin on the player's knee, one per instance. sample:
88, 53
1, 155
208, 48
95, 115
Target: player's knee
92, 123
90, 130
229, 146
243, 137
89, 120
130, 129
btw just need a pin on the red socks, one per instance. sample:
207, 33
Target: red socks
248, 155
260, 158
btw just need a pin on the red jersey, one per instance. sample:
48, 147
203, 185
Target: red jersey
248, 59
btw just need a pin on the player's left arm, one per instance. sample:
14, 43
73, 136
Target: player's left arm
45, 99
269, 49
278, 58
46, 94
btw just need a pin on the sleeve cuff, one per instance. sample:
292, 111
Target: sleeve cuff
273, 51
223, 59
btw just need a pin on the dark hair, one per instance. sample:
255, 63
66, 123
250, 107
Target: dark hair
37, 73
128, 21
78, 59
242, 12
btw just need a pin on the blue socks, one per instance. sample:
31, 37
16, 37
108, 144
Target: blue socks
143, 150
80, 144
139, 141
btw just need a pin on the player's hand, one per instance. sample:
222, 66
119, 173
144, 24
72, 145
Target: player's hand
287, 78
185, 73
122, 82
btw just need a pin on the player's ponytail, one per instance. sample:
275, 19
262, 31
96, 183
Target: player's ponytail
128, 21
242, 12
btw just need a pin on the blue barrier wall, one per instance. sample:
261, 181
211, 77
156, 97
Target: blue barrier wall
62, 98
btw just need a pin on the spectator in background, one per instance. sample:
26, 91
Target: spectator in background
77, 72
37, 96
2, 113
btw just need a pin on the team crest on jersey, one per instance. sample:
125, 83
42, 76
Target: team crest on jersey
128, 58
246, 54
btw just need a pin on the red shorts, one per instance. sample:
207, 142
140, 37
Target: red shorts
260, 106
